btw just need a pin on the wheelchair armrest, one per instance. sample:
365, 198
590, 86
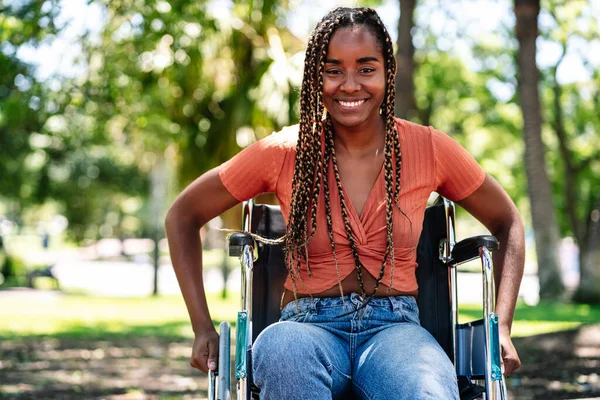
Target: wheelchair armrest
468, 248
237, 241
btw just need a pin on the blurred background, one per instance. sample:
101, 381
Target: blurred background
109, 108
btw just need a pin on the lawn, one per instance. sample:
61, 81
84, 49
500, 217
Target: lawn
83, 316
68, 315
65, 346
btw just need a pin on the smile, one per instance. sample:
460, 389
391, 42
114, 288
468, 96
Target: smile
350, 104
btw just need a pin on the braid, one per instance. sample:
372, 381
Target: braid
315, 151
357, 263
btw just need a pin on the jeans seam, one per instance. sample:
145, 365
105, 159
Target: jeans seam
364, 392
332, 366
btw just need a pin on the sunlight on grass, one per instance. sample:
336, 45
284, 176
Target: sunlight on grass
166, 316
80, 315
543, 318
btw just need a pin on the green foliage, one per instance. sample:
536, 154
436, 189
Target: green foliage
179, 77
12, 268
572, 116
466, 104
23, 100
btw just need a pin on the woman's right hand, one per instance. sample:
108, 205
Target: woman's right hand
205, 352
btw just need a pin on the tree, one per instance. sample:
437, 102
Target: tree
23, 103
186, 87
573, 118
539, 188
405, 88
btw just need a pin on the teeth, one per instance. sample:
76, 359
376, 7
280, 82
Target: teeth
351, 104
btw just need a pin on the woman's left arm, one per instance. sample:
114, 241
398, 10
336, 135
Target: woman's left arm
492, 206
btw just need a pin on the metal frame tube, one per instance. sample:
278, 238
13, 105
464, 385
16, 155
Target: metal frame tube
247, 265
224, 362
495, 385
212, 383
446, 257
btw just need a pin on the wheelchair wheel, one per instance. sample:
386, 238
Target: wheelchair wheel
224, 385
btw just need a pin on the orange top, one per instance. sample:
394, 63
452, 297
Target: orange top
431, 161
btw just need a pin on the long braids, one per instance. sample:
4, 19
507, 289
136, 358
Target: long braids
315, 151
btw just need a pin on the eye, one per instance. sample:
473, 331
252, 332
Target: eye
367, 70
333, 71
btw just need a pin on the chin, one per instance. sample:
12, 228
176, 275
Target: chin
351, 122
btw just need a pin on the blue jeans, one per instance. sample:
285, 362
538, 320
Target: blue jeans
380, 352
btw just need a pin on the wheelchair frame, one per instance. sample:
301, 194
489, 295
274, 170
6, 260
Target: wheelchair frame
475, 346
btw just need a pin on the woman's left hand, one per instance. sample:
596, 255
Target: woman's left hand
510, 358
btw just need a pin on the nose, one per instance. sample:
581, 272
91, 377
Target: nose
350, 84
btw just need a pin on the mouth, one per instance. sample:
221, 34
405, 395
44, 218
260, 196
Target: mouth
349, 105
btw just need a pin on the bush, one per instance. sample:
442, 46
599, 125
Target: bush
13, 269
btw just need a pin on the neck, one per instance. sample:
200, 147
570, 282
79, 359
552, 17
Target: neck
360, 140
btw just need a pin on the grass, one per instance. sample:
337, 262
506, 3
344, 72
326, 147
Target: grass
542, 318
79, 316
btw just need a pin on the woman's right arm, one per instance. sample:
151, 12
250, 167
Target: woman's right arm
203, 200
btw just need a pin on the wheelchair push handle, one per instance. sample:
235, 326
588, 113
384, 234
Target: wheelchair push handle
237, 241
219, 382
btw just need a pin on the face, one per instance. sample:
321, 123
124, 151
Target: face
354, 78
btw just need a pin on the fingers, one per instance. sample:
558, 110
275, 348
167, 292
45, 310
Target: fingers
205, 352
213, 354
198, 360
510, 358
511, 364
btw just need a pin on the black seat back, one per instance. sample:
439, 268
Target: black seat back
269, 270
432, 275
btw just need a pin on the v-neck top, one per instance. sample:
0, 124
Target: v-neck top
431, 162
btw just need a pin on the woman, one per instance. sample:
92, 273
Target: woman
353, 183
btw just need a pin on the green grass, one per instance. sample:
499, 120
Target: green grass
79, 316
542, 318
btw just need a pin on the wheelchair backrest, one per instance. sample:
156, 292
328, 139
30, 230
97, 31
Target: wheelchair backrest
270, 273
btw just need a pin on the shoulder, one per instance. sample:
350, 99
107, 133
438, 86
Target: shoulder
412, 132
284, 139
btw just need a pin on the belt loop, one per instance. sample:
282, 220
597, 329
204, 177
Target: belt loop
313, 303
395, 303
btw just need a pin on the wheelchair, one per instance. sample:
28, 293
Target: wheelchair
473, 347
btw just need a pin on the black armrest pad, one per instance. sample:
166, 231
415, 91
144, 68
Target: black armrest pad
237, 242
468, 249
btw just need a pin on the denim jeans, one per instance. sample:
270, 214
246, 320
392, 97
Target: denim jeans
379, 352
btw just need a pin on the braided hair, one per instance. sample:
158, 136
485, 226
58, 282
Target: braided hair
313, 157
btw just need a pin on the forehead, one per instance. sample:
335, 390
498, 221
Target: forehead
356, 39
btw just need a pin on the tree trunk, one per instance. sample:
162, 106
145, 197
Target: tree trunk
405, 88
589, 264
540, 192
158, 190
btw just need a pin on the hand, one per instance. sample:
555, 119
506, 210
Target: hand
205, 351
510, 358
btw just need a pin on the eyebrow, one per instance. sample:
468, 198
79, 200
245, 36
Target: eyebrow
361, 60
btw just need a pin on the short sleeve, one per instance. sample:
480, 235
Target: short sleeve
458, 174
256, 169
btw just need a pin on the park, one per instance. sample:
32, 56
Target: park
109, 109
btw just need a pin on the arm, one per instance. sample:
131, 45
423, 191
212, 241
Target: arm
201, 201
492, 206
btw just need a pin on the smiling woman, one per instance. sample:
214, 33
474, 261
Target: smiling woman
354, 79
353, 182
